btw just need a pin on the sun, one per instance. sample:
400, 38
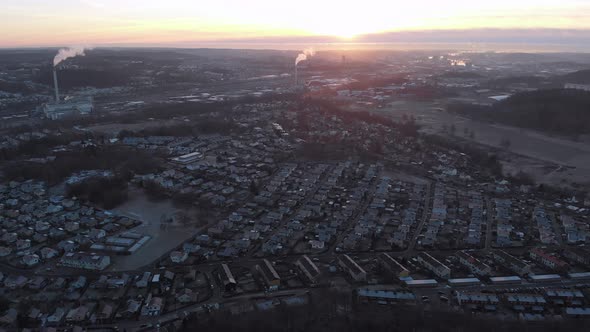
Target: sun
348, 21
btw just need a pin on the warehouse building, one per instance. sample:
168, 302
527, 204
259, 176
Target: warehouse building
269, 275
308, 267
464, 282
434, 265
506, 280
392, 266
86, 261
385, 296
474, 265
512, 263
227, 279
578, 255
423, 283
356, 272
548, 260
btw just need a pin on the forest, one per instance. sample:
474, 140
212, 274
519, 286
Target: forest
560, 111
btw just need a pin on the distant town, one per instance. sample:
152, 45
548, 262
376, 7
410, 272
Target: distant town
145, 189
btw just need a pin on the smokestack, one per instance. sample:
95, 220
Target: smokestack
302, 57
55, 85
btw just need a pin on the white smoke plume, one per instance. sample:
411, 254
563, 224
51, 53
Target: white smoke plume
69, 52
307, 53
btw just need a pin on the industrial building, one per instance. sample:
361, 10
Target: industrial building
392, 266
434, 265
506, 280
308, 267
545, 278
511, 262
474, 265
385, 296
269, 274
463, 282
188, 158
579, 255
356, 272
123, 244
227, 278
69, 107
577, 312
548, 260
423, 283
579, 276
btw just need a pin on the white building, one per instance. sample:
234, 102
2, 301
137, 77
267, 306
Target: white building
188, 158
69, 107
153, 307
434, 265
178, 256
82, 260
473, 264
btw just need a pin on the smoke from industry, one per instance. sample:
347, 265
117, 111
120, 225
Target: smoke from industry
69, 52
304, 55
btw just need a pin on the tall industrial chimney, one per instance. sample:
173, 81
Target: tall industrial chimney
296, 77
55, 85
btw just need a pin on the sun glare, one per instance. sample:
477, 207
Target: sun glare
352, 22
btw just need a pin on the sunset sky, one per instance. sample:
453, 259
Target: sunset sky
154, 22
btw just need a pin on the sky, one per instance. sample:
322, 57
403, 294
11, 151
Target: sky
33, 23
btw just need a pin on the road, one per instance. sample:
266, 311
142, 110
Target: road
196, 308
556, 228
302, 204
427, 209
358, 213
489, 222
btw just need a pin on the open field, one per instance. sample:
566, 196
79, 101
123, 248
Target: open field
547, 152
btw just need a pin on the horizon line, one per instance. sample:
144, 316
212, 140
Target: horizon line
535, 37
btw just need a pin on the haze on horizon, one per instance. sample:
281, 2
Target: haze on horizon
34, 23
